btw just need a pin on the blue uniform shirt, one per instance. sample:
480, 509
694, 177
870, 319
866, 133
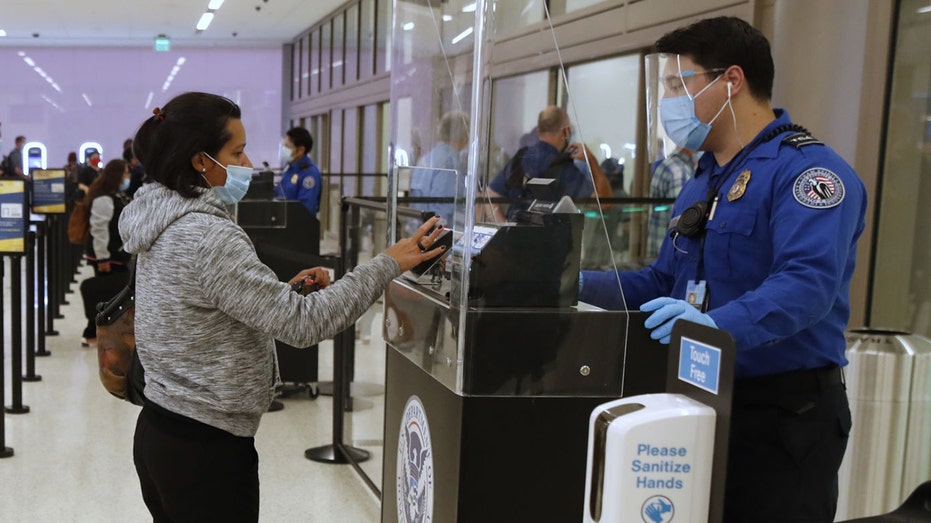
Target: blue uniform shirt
536, 161
301, 181
437, 183
778, 259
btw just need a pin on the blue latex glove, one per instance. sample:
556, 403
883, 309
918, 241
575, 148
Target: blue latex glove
668, 310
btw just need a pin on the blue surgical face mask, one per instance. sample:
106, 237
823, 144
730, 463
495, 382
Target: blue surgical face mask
286, 153
124, 184
237, 182
680, 122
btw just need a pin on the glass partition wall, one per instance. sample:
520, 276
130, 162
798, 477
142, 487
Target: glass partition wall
456, 130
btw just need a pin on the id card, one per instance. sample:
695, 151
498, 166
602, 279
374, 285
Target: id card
696, 292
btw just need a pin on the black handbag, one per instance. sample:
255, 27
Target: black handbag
121, 371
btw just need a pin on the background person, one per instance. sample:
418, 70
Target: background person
12, 165
667, 180
770, 262
89, 172
208, 312
453, 136
136, 171
301, 178
104, 249
550, 157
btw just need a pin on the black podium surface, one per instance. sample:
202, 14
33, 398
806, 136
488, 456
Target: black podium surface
498, 431
287, 239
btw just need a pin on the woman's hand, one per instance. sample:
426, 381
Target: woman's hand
409, 252
320, 276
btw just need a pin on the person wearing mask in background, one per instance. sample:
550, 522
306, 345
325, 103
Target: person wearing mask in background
104, 250
89, 173
208, 311
551, 157
765, 247
136, 171
668, 177
453, 136
301, 179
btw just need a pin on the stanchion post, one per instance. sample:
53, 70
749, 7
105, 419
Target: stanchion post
16, 336
338, 452
41, 349
64, 267
5, 452
31, 327
51, 240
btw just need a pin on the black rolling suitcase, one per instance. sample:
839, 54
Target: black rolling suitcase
286, 239
297, 366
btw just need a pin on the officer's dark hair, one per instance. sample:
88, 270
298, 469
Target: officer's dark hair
722, 42
188, 124
301, 137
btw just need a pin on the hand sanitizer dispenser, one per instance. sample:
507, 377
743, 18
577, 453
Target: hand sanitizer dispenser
650, 459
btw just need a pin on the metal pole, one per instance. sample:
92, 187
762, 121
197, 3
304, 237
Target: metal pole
31, 308
338, 452
41, 236
51, 239
64, 266
16, 336
5, 452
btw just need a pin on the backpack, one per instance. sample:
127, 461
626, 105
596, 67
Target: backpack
514, 173
121, 371
7, 166
79, 224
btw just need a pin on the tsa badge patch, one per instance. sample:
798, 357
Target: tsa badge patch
818, 188
414, 471
657, 509
309, 182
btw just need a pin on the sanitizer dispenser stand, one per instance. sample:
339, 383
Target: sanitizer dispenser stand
659, 458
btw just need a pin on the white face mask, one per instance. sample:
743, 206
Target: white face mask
238, 178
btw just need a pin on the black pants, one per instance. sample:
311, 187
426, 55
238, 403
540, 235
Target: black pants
192, 472
100, 288
788, 437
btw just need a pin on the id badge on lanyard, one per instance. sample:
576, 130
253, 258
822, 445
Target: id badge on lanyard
696, 294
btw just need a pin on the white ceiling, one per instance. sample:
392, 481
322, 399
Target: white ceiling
137, 22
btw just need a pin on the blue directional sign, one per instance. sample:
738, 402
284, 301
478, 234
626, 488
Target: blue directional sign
13, 216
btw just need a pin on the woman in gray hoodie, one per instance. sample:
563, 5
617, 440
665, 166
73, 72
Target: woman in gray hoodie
208, 312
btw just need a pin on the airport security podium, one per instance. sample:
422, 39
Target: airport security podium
487, 407
493, 366
287, 239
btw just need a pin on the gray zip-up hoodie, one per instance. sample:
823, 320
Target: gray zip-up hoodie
208, 311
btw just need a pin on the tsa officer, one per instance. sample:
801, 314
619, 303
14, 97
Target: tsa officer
301, 178
764, 242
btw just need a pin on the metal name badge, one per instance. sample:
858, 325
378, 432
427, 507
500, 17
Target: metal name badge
739, 187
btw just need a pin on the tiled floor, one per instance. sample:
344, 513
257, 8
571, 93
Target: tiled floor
73, 458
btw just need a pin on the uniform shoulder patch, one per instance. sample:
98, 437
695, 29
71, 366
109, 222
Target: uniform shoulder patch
800, 139
818, 188
309, 182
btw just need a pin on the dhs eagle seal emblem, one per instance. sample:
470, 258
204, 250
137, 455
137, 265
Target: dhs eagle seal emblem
818, 188
414, 471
